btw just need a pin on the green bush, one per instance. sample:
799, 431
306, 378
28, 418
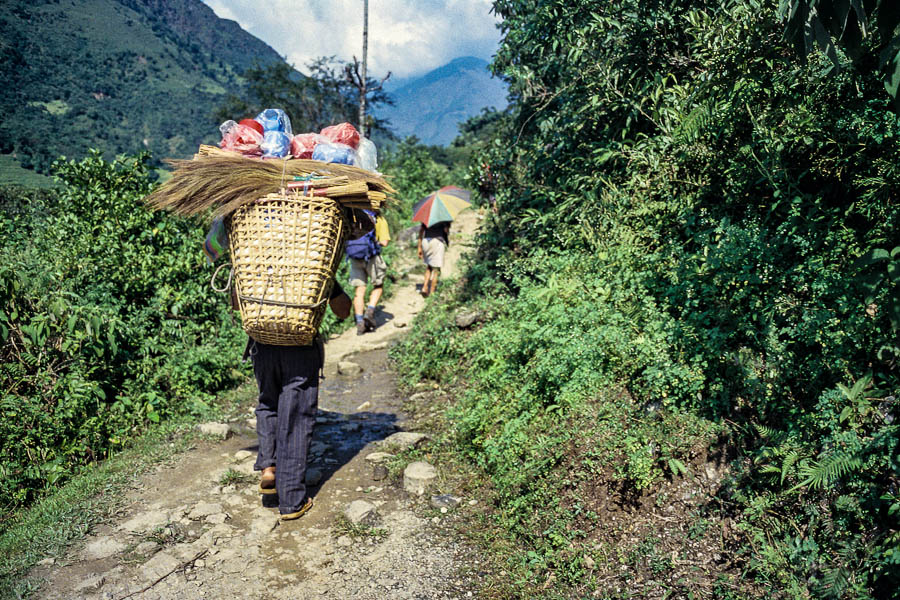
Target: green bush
107, 324
688, 212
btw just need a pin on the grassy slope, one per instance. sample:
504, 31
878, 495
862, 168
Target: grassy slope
12, 173
588, 490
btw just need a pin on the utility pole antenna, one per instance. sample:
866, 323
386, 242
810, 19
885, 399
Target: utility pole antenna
355, 73
362, 89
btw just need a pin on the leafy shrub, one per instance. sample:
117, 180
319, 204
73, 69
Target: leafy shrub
687, 211
107, 324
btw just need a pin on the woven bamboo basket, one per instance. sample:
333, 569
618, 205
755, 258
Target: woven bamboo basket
285, 250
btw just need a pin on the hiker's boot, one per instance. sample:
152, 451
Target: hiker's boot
360, 327
369, 319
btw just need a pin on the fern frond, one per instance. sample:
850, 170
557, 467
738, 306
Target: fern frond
828, 470
678, 468
789, 461
835, 582
774, 436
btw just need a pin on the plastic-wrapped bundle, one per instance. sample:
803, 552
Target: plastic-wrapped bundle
303, 144
275, 119
240, 138
276, 144
368, 154
336, 153
343, 133
253, 124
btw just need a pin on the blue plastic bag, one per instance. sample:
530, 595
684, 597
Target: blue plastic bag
275, 144
275, 119
335, 153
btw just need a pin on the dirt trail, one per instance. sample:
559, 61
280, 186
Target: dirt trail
187, 533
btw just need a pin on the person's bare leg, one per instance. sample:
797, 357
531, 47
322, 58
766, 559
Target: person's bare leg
427, 281
267, 480
359, 307
369, 315
435, 272
359, 300
375, 296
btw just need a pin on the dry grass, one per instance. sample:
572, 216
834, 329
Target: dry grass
222, 182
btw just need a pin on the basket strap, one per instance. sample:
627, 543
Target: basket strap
278, 303
212, 281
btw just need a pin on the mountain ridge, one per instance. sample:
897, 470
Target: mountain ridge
433, 105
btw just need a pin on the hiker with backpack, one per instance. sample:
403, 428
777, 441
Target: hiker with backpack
366, 263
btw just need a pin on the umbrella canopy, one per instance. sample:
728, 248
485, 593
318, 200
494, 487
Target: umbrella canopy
442, 205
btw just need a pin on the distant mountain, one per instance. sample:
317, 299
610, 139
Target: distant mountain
118, 75
430, 107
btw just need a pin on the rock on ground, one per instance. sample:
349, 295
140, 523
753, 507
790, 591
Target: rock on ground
404, 439
360, 512
313, 477
445, 501
159, 565
243, 454
466, 319
103, 547
219, 430
145, 521
346, 367
377, 458
417, 477
204, 509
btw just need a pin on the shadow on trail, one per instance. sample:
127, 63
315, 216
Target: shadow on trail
354, 411
382, 317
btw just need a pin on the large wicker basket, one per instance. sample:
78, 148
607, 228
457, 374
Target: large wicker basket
285, 250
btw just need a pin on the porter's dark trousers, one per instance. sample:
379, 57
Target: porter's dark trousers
288, 379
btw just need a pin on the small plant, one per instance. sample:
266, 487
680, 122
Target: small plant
234, 477
168, 535
343, 526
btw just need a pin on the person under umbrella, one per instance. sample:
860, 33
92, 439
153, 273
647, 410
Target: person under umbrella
435, 212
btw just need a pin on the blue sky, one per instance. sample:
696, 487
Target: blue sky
407, 37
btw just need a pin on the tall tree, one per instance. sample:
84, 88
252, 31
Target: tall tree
866, 30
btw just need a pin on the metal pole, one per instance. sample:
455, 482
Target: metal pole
362, 88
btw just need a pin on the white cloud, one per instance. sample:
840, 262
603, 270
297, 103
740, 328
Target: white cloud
407, 37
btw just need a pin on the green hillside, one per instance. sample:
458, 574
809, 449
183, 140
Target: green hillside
118, 76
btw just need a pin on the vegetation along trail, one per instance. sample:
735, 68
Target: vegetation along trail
195, 528
670, 368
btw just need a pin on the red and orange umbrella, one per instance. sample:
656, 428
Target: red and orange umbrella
442, 205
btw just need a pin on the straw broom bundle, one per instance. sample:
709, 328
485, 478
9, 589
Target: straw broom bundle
224, 181
302, 166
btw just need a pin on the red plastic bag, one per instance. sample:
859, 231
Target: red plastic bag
240, 138
303, 144
253, 124
344, 133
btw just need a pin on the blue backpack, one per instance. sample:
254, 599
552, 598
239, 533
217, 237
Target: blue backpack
363, 248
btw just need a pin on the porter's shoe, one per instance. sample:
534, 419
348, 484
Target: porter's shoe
360, 327
304, 508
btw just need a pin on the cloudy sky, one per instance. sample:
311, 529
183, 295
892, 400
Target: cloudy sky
407, 37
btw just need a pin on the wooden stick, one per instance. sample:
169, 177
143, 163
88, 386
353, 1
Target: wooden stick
178, 568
